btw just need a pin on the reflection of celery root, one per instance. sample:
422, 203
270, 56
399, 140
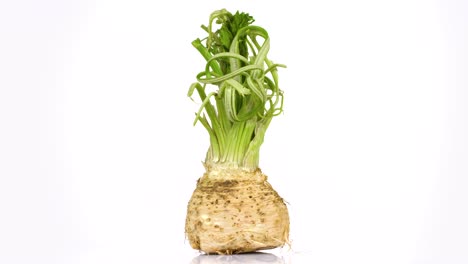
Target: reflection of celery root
254, 258
234, 209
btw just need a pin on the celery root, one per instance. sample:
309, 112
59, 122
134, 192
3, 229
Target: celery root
235, 211
233, 208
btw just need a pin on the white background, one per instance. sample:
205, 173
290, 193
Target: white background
98, 156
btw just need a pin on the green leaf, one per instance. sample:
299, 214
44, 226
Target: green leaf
237, 114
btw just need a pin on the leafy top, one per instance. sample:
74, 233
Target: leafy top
237, 115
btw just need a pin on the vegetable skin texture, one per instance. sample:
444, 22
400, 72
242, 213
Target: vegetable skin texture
233, 208
236, 211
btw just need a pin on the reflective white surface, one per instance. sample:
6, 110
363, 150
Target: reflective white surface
98, 156
254, 258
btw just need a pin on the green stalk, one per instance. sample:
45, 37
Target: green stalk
237, 114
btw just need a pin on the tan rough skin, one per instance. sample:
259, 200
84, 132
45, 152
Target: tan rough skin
235, 211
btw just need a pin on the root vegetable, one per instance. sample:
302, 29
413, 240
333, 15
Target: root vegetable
233, 208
